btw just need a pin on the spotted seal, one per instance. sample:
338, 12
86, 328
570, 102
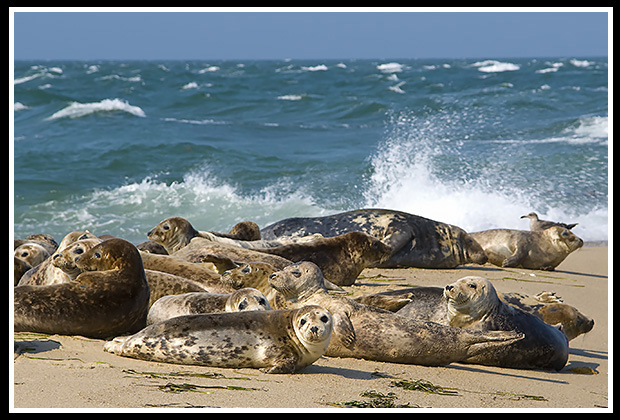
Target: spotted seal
537, 250
246, 299
176, 232
109, 298
537, 224
472, 302
256, 275
367, 332
281, 341
415, 241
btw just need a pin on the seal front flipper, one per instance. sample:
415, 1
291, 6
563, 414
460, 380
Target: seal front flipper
515, 259
343, 329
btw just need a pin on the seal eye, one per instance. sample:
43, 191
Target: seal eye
246, 269
24, 254
243, 304
473, 286
166, 227
97, 255
79, 251
261, 301
324, 318
302, 321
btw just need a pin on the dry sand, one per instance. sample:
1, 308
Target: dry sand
74, 372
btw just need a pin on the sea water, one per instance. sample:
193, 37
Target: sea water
117, 146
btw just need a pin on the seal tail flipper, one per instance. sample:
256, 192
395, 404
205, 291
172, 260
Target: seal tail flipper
488, 340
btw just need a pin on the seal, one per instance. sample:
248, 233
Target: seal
176, 232
415, 241
60, 267
341, 258
537, 224
31, 253
46, 241
163, 284
256, 275
246, 299
538, 250
208, 279
428, 303
282, 341
20, 267
371, 333
109, 298
472, 302
552, 310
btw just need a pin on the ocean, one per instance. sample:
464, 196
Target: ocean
117, 146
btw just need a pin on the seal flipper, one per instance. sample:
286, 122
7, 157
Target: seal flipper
515, 259
343, 328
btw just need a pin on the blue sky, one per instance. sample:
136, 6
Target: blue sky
206, 34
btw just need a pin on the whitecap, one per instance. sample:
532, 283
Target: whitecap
390, 67
291, 97
494, 66
18, 106
190, 85
396, 88
580, 63
208, 69
77, 110
320, 67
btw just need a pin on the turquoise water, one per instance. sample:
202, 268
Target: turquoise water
115, 147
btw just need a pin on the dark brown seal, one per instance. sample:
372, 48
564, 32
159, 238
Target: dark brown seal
109, 298
415, 241
538, 250
341, 258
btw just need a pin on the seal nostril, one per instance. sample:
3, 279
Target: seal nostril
56, 256
449, 287
272, 276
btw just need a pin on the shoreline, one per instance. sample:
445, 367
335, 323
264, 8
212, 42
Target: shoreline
70, 372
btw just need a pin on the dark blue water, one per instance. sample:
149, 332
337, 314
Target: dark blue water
115, 147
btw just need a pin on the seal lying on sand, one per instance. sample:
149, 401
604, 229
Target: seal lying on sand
109, 298
537, 224
538, 250
366, 332
283, 341
415, 241
246, 299
428, 303
341, 258
472, 302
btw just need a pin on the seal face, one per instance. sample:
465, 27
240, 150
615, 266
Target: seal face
415, 241
472, 302
246, 299
282, 341
109, 298
362, 331
538, 250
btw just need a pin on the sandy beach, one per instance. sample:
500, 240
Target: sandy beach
70, 372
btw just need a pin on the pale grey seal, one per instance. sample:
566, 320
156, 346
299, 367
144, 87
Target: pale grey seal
537, 250
282, 341
246, 299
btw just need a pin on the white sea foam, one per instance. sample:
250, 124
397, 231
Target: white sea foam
290, 97
580, 63
494, 66
320, 67
18, 106
208, 69
190, 85
404, 178
77, 110
392, 67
